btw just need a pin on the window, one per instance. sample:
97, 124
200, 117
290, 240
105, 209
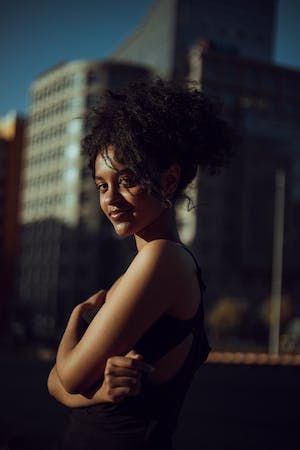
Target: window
93, 77
70, 200
74, 127
71, 175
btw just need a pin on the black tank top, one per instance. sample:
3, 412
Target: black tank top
146, 421
168, 331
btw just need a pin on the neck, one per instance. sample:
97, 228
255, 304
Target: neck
164, 227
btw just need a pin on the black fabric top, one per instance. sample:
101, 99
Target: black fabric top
148, 420
168, 331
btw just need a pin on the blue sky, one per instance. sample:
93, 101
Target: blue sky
35, 35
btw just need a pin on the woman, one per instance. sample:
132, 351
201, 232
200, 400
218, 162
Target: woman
126, 373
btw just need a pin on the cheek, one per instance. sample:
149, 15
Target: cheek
147, 204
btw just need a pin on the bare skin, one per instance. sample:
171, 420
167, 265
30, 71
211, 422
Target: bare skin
121, 376
161, 270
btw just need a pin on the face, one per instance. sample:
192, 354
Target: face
119, 190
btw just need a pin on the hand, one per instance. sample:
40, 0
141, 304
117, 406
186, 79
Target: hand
122, 376
95, 300
90, 307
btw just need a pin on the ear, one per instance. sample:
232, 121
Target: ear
170, 179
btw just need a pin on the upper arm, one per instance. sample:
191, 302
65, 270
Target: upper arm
141, 296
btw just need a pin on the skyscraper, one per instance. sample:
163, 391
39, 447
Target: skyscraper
163, 39
232, 44
235, 217
63, 233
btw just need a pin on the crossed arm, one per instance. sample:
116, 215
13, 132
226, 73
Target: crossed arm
57, 390
122, 374
122, 378
138, 300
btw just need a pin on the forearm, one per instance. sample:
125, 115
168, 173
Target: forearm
57, 390
70, 339
67, 356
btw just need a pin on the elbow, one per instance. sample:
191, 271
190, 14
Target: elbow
49, 386
77, 385
52, 382
73, 389
67, 383
70, 383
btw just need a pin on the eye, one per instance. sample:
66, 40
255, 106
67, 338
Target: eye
99, 187
128, 181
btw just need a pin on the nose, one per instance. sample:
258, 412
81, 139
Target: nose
112, 196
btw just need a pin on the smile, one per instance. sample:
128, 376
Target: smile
120, 214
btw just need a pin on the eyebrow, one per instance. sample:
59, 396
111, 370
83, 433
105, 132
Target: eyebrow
119, 172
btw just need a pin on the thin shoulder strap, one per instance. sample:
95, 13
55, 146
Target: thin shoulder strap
199, 271
200, 312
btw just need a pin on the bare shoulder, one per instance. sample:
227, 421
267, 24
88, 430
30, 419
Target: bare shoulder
179, 274
168, 251
161, 247
160, 267
166, 261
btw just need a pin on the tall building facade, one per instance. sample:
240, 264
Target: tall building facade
172, 26
12, 129
64, 235
235, 218
217, 45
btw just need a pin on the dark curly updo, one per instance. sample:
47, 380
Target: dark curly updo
153, 124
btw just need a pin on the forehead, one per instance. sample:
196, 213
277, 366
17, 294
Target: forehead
108, 165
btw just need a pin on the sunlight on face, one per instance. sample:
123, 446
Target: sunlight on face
119, 190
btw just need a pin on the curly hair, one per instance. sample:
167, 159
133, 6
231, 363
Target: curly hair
155, 123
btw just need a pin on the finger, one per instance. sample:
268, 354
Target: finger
131, 363
134, 354
98, 296
130, 382
118, 394
135, 390
117, 371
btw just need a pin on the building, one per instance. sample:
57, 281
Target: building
63, 258
235, 217
215, 44
173, 26
11, 147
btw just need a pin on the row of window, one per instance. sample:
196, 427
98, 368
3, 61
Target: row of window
270, 106
90, 78
53, 88
43, 180
51, 111
251, 77
32, 277
42, 229
46, 135
51, 201
42, 253
74, 104
49, 156
40, 237
69, 175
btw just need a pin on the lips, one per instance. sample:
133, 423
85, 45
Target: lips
118, 213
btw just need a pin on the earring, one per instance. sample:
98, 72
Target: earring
168, 202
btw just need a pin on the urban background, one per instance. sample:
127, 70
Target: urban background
57, 248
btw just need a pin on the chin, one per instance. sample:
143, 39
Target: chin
124, 229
